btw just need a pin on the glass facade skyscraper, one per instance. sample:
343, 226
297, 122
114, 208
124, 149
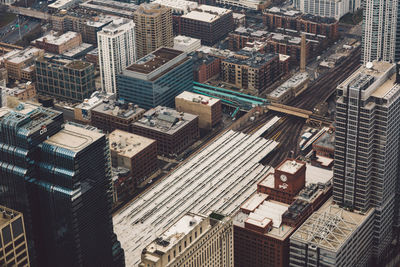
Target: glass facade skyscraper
59, 178
156, 79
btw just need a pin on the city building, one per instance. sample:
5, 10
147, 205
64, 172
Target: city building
325, 144
136, 153
193, 240
156, 78
333, 236
49, 171
208, 109
245, 4
247, 70
366, 148
93, 26
210, 24
117, 50
379, 28
290, 88
174, 131
239, 19
19, 63
113, 114
294, 20
58, 44
178, 7
186, 44
205, 66
110, 7
216, 179
327, 8
71, 80
265, 222
153, 28
14, 249
22, 91
93, 57
122, 185
83, 111
61, 4
242, 35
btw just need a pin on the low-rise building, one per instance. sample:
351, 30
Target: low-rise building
111, 115
18, 63
71, 80
174, 131
58, 44
254, 71
136, 153
193, 240
207, 108
205, 66
22, 91
289, 89
186, 44
242, 35
83, 111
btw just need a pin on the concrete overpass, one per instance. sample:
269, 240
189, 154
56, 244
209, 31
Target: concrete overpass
29, 12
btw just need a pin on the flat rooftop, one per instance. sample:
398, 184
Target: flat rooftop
125, 111
178, 5
74, 138
116, 26
164, 119
78, 64
19, 56
57, 40
206, 13
219, 178
330, 227
327, 140
154, 60
294, 81
290, 166
61, 3
193, 97
128, 144
251, 59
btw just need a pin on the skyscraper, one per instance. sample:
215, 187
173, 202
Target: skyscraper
367, 156
59, 178
153, 28
379, 30
117, 50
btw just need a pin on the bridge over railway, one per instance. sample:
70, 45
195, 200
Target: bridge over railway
30, 12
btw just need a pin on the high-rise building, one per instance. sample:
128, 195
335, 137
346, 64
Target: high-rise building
366, 168
327, 8
156, 79
397, 50
60, 179
117, 50
65, 79
153, 28
14, 249
379, 30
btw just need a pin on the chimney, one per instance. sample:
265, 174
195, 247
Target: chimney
398, 72
303, 53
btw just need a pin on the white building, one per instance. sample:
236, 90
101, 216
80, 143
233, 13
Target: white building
327, 8
117, 50
246, 4
379, 30
186, 44
180, 7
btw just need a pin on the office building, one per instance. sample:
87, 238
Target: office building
58, 44
216, 179
327, 8
136, 153
61, 176
210, 24
366, 147
253, 71
156, 79
174, 131
186, 44
207, 108
333, 236
193, 240
379, 30
71, 80
115, 114
117, 50
14, 249
19, 63
153, 28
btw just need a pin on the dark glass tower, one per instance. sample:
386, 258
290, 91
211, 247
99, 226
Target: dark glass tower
59, 177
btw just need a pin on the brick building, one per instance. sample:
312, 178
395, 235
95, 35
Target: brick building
208, 109
174, 131
58, 44
208, 23
19, 63
113, 115
254, 71
134, 152
205, 66
242, 35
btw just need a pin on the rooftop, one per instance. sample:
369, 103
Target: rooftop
277, 10
330, 227
74, 52
95, 99
251, 59
327, 140
20, 56
52, 38
117, 26
197, 98
181, 6
73, 138
119, 109
220, 177
128, 144
206, 13
61, 3
150, 9
154, 60
7, 215
290, 166
164, 119
111, 7
293, 82
78, 65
